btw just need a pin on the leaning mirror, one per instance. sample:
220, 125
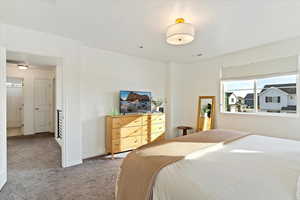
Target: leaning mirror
206, 113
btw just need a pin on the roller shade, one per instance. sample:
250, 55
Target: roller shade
288, 65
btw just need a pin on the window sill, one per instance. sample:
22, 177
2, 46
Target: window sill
285, 115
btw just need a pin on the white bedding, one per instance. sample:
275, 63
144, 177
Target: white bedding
252, 168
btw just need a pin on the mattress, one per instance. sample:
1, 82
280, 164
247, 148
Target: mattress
251, 168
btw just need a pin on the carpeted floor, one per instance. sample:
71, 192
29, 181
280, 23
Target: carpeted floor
34, 173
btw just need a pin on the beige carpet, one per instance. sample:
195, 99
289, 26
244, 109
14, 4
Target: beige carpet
34, 173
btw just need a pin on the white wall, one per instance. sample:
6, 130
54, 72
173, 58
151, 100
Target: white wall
29, 76
203, 79
176, 91
103, 75
3, 140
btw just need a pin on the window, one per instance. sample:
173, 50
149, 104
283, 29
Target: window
14, 85
276, 94
272, 99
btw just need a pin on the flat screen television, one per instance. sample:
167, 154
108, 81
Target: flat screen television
135, 102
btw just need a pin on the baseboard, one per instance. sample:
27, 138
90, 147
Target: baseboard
96, 156
59, 141
3, 179
72, 163
29, 133
93, 155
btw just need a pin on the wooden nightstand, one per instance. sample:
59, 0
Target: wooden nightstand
184, 129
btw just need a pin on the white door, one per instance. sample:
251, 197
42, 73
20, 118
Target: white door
42, 101
3, 147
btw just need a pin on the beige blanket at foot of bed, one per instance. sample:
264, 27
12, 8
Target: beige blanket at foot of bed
140, 168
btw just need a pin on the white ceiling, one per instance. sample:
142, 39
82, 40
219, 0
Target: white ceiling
34, 61
222, 26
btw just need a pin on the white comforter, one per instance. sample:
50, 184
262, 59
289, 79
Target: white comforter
252, 168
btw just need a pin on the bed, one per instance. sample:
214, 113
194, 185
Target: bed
242, 166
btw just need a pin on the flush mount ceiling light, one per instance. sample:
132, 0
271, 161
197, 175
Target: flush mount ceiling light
23, 66
180, 33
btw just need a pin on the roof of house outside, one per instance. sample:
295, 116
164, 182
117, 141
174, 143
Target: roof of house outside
231, 93
289, 88
249, 96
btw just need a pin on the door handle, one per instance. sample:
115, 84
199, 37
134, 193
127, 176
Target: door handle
37, 109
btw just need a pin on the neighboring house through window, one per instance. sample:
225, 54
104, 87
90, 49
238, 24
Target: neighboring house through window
278, 98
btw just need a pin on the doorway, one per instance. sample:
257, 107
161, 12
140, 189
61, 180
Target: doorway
31, 113
30, 94
57, 144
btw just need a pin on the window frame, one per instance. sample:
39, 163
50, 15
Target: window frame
255, 79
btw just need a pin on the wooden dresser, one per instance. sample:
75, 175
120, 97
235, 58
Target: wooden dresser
127, 132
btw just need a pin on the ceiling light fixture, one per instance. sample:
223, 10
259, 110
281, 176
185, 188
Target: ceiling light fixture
180, 33
23, 66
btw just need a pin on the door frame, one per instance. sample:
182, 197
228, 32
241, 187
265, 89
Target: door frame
3, 137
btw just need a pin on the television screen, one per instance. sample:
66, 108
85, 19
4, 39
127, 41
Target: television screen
135, 102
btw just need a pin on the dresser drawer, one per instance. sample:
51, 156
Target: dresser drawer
125, 144
155, 128
126, 132
158, 128
126, 122
145, 139
155, 119
157, 137
145, 130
